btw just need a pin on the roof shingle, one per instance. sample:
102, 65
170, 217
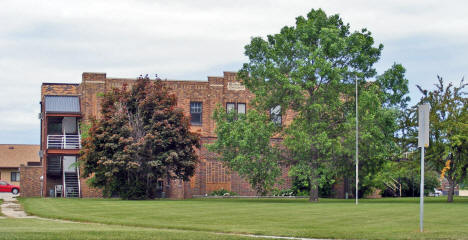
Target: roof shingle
13, 155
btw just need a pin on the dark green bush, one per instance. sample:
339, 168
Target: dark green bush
222, 192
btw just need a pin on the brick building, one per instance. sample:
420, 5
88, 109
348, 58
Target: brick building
64, 106
16, 156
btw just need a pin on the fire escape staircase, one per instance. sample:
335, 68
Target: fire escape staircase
71, 184
54, 167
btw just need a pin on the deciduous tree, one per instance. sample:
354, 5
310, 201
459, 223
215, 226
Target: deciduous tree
141, 138
311, 68
448, 142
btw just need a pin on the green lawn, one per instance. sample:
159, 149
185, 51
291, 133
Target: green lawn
44, 229
372, 219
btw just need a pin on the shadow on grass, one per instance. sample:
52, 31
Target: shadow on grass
404, 200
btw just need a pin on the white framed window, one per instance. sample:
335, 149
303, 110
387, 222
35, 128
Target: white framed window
239, 108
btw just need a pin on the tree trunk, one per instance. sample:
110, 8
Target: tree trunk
451, 191
313, 195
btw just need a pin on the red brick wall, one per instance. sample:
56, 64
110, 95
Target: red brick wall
210, 174
89, 192
175, 189
30, 183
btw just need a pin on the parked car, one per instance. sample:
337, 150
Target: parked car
6, 187
436, 193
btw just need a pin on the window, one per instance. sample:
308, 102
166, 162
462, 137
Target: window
240, 108
15, 176
2, 183
230, 107
196, 113
275, 114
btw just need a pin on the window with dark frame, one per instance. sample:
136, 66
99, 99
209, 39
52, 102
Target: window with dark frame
196, 113
230, 107
275, 115
241, 109
15, 176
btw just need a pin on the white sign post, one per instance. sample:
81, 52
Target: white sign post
423, 141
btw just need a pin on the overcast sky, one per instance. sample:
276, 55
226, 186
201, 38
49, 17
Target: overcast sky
56, 41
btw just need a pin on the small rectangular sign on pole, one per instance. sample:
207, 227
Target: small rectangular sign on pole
423, 119
423, 141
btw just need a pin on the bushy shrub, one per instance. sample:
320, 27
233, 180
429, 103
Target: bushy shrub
222, 192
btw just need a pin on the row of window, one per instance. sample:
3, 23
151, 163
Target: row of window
196, 110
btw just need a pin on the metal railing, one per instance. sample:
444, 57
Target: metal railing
63, 141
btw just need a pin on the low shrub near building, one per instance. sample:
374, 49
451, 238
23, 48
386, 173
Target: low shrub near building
223, 192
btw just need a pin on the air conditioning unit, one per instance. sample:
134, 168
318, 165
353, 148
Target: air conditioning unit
41, 154
39, 116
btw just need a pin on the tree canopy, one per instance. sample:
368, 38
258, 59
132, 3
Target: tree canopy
244, 145
448, 141
141, 138
310, 69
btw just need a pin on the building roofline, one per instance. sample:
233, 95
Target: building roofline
46, 83
18, 144
162, 80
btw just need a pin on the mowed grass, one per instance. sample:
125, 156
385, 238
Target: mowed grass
330, 218
47, 229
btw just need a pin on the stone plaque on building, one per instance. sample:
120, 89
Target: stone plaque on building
235, 86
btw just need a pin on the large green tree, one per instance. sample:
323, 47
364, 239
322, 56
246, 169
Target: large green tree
448, 141
311, 68
141, 138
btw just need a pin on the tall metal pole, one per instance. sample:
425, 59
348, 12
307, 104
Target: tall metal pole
357, 143
421, 195
423, 141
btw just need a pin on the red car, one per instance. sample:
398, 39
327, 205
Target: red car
6, 187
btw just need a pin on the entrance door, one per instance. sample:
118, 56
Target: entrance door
69, 125
70, 138
68, 162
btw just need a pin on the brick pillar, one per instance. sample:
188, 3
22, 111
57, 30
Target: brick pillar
30, 182
175, 189
93, 84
